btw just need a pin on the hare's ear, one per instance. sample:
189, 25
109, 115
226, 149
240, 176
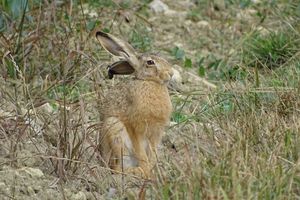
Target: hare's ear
117, 47
121, 67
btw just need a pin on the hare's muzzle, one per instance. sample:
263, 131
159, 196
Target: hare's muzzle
166, 76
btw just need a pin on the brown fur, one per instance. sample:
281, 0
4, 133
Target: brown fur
135, 112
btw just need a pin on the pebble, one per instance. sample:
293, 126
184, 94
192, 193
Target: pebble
158, 6
34, 172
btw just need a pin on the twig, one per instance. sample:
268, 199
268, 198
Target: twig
211, 85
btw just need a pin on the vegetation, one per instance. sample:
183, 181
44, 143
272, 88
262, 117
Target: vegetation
235, 126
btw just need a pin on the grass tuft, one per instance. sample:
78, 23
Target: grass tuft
272, 50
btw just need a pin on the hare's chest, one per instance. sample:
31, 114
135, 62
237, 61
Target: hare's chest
150, 103
154, 107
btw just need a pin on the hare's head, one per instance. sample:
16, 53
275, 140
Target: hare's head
143, 66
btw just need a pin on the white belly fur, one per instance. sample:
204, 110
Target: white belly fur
129, 160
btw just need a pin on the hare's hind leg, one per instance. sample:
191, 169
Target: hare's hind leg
119, 147
113, 129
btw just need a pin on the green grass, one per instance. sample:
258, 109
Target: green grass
272, 50
141, 38
238, 141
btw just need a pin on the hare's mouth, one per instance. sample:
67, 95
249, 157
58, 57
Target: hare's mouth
165, 77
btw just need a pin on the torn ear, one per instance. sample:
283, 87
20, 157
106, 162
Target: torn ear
114, 45
120, 68
118, 47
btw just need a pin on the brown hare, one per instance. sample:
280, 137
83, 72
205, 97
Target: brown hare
136, 111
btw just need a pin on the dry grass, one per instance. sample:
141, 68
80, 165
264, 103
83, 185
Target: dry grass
237, 141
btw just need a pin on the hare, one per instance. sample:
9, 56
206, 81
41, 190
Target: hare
136, 111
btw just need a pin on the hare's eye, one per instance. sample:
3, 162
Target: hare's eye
150, 62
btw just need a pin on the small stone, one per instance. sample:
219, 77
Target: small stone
158, 6
34, 172
176, 76
175, 83
172, 13
111, 193
30, 191
47, 107
203, 23
220, 4
262, 30
79, 196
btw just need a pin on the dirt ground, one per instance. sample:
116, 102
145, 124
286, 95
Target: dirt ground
29, 159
